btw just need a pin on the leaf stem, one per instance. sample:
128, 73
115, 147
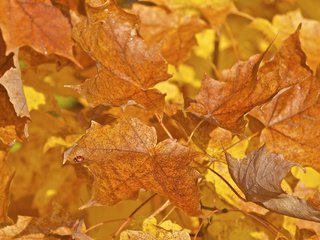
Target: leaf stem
233, 41
194, 130
232, 145
274, 230
214, 211
130, 217
163, 126
104, 222
229, 185
242, 14
160, 209
263, 222
167, 215
215, 57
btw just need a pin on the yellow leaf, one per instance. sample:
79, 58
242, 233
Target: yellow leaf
34, 98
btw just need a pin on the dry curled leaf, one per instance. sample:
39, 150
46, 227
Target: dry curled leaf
125, 158
259, 177
13, 106
310, 34
33, 25
245, 86
175, 31
127, 66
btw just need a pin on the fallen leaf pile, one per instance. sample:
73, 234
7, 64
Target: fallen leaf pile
159, 119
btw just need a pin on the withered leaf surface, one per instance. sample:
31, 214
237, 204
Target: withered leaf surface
175, 31
6, 61
259, 176
189, 122
244, 87
13, 107
36, 23
310, 34
127, 66
215, 12
6, 175
292, 123
125, 158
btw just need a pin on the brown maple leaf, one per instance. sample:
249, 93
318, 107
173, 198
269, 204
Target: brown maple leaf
38, 24
245, 86
125, 158
292, 123
174, 31
215, 12
259, 177
310, 34
127, 66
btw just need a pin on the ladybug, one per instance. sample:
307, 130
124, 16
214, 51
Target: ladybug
78, 159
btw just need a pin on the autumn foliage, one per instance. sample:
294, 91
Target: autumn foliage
159, 119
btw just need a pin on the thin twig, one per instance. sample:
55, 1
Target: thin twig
163, 126
114, 236
263, 222
229, 185
233, 41
104, 222
274, 230
215, 57
194, 130
167, 215
160, 209
232, 145
242, 14
202, 223
216, 73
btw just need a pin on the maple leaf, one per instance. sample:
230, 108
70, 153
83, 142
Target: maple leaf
13, 108
176, 32
67, 4
259, 176
33, 26
310, 34
243, 87
215, 12
292, 123
127, 66
126, 157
